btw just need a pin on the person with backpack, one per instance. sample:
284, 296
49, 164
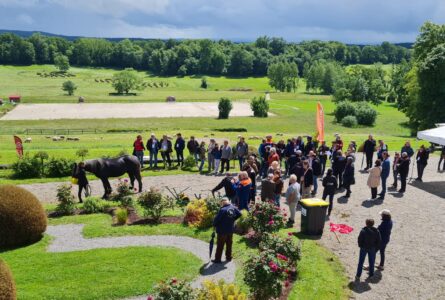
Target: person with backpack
369, 241
224, 225
330, 186
138, 149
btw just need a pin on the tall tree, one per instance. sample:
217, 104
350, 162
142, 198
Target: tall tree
283, 76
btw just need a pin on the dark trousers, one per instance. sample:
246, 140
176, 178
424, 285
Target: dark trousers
180, 157
348, 189
442, 158
221, 241
420, 168
166, 159
373, 192
323, 165
241, 161
403, 182
339, 177
369, 156
382, 254
225, 161
361, 260
331, 200
383, 192
79, 194
394, 174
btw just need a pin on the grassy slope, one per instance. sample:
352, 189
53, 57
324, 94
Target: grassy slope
95, 274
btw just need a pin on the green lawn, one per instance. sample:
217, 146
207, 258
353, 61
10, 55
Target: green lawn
95, 274
117, 273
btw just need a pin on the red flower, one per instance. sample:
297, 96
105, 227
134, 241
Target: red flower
271, 222
282, 257
150, 298
290, 234
286, 283
174, 281
273, 266
285, 214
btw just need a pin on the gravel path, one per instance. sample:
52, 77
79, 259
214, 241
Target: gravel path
69, 238
415, 263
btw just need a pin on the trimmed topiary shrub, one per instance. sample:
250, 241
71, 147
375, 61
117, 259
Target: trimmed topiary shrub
260, 107
365, 114
7, 285
343, 109
349, 121
224, 108
22, 217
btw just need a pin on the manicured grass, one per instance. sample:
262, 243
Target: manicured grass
320, 274
95, 274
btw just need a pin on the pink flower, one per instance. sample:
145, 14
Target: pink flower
135, 189
125, 180
282, 257
273, 266
174, 281
285, 214
150, 298
271, 222
286, 283
290, 234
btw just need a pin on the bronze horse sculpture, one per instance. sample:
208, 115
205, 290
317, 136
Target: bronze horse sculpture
104, 168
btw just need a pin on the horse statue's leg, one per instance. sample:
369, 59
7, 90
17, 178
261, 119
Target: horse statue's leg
139, 179
131, 175
107, 187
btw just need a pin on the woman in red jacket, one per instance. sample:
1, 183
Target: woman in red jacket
138, 149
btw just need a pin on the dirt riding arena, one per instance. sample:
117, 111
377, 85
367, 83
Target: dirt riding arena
415, 262
122, 110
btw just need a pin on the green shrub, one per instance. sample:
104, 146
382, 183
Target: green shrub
199, 214
284, 246
243, 222
349, 121
93, 205
343, 109
173, 289
224, 108
260, 107
264, 273
365, 114
22, 217
59, 167
189, 163
123, 192
42, 156
66, 200
26, 168
121, 216
266, 217
154, 204
7, 284
204, 84
82, 153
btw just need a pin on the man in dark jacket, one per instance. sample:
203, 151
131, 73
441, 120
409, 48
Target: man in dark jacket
179, 148
408, 149
268, 188
310, 146
153, 147
403, 170
330, 186
323, 155
227, 184
369, 149
193, 147
369, 242
422, 160
165, 146
386, 168
316, 170
338, 166
224, 224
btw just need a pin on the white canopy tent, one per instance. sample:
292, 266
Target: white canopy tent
435, 135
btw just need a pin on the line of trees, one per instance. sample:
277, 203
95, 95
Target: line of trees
189, 57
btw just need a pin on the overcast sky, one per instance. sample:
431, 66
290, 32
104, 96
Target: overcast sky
350, 21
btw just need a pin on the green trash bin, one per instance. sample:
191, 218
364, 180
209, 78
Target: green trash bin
313, 216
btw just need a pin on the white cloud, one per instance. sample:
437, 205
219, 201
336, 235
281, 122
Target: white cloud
115, 8
25, 19
119, 28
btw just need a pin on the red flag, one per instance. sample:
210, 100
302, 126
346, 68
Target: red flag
18, 146
320, 122
342, 228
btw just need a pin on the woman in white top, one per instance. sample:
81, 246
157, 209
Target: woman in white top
374, 178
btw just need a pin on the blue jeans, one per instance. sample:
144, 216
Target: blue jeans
196, 156
315, 183
323, 164
201, 165
361, 260
384, 178
154, 159
241, 161
140, 156
382, 254
277, 199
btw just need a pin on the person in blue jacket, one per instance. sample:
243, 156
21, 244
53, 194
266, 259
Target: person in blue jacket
386, 169
242, 188
224, 225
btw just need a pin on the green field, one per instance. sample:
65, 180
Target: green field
294, 115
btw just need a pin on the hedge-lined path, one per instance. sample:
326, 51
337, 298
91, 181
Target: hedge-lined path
67, 238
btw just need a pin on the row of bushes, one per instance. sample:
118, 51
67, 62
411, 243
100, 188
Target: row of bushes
259, 106
351, 114
41, 166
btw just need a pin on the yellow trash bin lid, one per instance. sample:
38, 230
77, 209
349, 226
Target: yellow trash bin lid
314, 202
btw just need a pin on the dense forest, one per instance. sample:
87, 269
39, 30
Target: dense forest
189, 57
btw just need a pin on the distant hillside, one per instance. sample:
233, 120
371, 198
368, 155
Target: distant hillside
26, 34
